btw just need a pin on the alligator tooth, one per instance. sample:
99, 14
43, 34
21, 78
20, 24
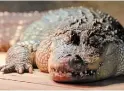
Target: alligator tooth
85, 71
23, 43
91, 71
18, 43
94, 73
60, 72
87, 74
69, 74
98, 73
32, 42
81, 74
26, 43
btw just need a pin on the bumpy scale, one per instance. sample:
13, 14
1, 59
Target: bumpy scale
72, 44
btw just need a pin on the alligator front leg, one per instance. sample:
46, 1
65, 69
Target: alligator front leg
19, 58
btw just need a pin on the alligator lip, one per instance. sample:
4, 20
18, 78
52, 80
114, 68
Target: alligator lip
62, 72
68, 77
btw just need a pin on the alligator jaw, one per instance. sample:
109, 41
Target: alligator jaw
64, 72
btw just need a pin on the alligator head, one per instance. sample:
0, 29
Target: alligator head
83, 54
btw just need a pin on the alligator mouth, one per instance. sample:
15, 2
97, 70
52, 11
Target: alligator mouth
85, 76
63, 72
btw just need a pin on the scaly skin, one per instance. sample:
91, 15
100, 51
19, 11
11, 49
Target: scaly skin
12, 25
73, 45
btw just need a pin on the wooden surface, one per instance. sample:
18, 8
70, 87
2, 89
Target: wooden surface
41, 81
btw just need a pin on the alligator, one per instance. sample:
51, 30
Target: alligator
74, 44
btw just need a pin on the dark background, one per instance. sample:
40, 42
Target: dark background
115, 8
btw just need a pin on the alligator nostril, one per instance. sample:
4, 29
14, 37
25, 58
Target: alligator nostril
78, 57
76, 62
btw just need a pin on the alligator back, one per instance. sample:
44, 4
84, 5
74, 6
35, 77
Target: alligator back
12, 25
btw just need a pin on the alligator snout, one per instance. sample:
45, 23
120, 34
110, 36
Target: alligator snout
68, 69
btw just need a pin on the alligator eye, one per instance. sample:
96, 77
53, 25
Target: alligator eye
75, 38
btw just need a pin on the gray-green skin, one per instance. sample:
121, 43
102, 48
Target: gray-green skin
89, 43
